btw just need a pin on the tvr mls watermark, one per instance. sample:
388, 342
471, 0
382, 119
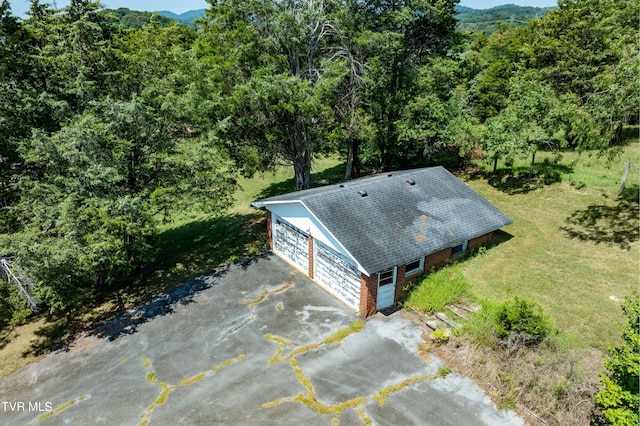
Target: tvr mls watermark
38, 406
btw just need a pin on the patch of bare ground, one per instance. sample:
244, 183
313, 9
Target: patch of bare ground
14, 344
547, 385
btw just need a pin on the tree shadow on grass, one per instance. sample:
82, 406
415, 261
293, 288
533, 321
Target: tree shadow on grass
184, 252
325, 177
516, 180
616, 224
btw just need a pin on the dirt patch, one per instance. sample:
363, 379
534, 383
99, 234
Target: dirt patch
15, 353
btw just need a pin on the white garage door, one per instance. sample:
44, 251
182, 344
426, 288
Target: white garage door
292, 244
342, 277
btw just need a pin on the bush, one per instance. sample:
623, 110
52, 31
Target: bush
522, 320
512, 324
440, 336
619, 399
12, 309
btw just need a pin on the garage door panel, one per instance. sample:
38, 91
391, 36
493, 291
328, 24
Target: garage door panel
342, 277
292, 244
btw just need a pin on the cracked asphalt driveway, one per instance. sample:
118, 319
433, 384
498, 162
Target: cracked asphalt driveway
251, 344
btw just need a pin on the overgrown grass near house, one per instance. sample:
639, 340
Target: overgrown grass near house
575, 251
438, 289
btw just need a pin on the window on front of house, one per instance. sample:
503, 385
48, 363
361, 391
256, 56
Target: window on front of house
415, 266
386, 277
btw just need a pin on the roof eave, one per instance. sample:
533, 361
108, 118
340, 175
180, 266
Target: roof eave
262, 203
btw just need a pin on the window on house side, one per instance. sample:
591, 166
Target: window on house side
459, 249
415, 266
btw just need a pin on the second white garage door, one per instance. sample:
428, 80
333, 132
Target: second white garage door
342, 277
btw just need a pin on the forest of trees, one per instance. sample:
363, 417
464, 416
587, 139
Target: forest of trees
105, 130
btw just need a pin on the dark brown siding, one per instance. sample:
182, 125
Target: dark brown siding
478, 241
437, 259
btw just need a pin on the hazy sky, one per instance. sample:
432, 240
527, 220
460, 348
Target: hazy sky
20, 7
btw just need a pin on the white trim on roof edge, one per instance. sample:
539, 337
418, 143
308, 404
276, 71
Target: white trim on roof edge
322, 231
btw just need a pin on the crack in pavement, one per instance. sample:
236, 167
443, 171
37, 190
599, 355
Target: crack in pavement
57, 410
167, 389
258, 300
309, 399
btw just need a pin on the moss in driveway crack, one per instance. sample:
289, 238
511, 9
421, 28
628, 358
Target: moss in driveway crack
258, 300
166, 388
335, 338
309, 398
57, 410
381, 396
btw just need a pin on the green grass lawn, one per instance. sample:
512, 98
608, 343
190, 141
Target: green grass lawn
572, 248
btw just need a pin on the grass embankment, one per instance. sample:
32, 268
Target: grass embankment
189, 245
573, 249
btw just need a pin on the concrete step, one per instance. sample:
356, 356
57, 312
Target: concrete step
436, 324
444, 318
458, 311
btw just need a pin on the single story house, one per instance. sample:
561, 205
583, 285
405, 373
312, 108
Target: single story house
363, 239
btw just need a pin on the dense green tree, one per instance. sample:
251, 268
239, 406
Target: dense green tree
279, 107
398, 39
620, 396
12, 124
462, 133
590, 49
88, 217
496, 61
535, 117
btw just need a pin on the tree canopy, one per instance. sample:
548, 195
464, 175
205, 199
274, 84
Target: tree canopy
106, 129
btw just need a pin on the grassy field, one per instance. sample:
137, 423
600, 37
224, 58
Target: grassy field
572, 248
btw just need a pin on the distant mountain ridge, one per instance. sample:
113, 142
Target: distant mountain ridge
186, 17
469, 19
488, 20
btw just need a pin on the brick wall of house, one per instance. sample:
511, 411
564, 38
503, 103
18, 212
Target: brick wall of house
478, 241
310, 257
368, 294
400, 280
269, 230
437, 259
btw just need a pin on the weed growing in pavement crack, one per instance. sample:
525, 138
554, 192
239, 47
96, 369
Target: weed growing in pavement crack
310, 398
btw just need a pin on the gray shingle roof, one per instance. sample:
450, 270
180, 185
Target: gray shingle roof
397, 222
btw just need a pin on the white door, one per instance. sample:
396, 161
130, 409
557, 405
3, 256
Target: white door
386, 288
292, 244
337, 273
